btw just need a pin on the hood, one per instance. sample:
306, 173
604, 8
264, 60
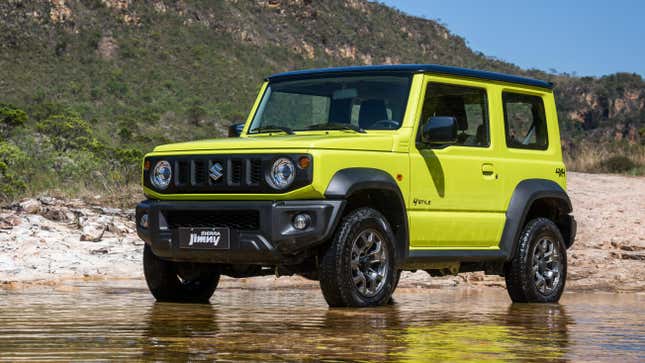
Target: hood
333, 140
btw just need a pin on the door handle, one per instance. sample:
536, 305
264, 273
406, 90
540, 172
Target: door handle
488, 169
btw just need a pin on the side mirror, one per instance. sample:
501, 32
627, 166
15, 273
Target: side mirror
440, 130
235, 130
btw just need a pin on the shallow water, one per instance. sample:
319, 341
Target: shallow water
102, 321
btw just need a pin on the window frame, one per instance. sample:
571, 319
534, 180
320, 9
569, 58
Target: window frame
485, 112
506, 123
268, 83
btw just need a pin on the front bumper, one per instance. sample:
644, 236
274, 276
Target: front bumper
269, 238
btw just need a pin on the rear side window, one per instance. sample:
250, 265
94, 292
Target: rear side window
525, 121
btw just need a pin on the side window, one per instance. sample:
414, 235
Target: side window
525, 121
466, 104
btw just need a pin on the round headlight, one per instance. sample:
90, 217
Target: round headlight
282, 173
161, 175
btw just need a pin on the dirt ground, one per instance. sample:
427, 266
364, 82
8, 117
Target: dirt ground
48, 240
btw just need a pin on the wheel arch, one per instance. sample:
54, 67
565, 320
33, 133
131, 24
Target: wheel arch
534, 198
375, 188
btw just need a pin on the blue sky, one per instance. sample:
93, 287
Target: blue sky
590, 37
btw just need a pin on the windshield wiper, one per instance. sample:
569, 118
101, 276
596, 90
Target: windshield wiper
273, 128
336, 126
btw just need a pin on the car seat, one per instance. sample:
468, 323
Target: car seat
371, 111
454, 106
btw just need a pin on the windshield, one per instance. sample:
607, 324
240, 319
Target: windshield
352, 103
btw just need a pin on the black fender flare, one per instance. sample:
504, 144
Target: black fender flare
347, 182
525, 194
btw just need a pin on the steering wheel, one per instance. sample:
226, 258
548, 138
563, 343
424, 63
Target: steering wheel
385, 125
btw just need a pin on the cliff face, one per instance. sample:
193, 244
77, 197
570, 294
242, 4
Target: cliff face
139, 62
610, 107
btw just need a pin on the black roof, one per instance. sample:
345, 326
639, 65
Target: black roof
413, 68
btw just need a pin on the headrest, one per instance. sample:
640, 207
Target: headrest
453, 106
371, 111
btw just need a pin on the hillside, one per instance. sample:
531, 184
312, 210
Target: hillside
102, 81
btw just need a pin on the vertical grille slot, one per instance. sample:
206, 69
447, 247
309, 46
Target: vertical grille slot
200, 172
183, 172
235, 172
254, 171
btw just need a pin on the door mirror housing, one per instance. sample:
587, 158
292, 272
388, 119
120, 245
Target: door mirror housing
440, 130
235, 130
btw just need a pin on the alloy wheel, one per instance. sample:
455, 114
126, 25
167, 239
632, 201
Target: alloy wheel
369, 263
547, 266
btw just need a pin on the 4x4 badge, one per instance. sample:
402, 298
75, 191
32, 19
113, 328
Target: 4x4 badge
561, 172
216, 171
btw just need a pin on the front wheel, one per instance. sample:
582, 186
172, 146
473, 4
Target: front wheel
538, 271
358, 268
179, 281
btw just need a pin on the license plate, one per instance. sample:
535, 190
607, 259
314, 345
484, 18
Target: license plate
205, 238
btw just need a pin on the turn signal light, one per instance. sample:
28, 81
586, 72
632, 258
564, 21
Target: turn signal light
304, 162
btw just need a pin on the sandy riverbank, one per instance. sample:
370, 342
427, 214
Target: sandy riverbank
47, 240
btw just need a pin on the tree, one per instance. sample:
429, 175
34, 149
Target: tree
69, 132
11, 182
10, 118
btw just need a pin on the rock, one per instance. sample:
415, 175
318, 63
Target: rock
93, 232
93, 228
633, 256
30, 206
110, 211
9, 221
58, 214
107, 47
100, 251
118, 228
47, 200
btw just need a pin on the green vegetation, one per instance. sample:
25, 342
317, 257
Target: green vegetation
87, 87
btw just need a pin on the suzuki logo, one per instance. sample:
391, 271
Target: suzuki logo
216, 171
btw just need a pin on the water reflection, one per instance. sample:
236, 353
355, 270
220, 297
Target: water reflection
294, 325
174, 330
523, 332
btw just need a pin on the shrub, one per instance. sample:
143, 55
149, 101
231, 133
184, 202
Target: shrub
10, 117
69, 132
617, 164
11, 183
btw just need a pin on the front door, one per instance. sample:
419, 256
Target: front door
457, 190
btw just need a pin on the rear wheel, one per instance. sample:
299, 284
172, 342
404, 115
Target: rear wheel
179, 281
358, 268
538, 271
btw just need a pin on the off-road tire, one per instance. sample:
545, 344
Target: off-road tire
336, 281
163, 279
519, 274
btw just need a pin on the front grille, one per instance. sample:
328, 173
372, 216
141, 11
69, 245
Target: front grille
195, 173
200, 174
238, 219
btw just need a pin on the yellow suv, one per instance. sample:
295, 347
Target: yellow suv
351, 175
